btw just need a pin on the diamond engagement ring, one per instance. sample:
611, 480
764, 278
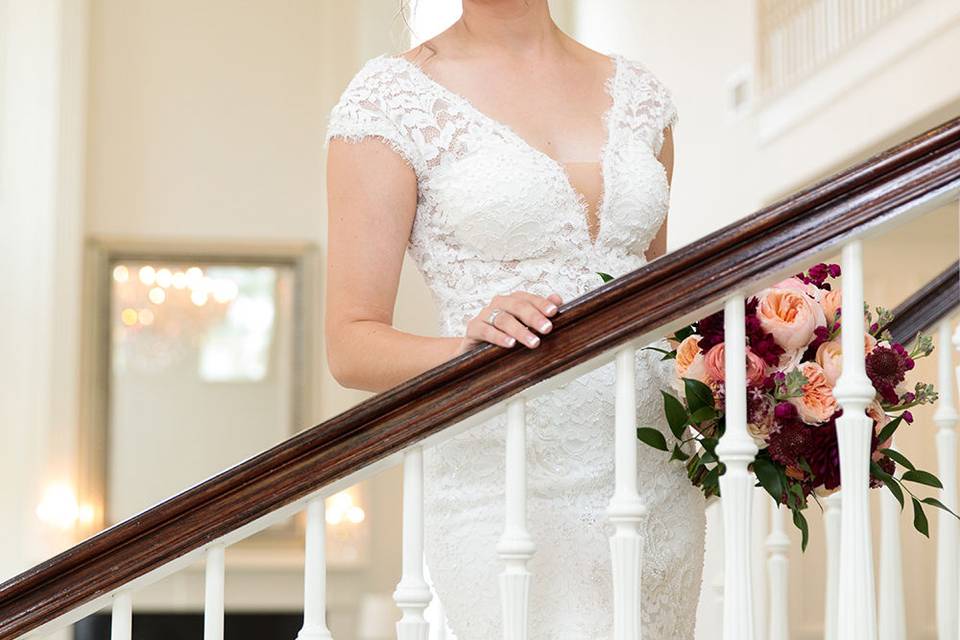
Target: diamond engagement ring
492, 317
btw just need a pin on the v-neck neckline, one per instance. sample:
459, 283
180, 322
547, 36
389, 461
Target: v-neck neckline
610, 89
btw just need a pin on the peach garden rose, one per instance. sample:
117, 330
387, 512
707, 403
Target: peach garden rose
817, 403
790, 316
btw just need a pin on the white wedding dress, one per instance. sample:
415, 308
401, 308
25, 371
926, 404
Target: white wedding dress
496, 215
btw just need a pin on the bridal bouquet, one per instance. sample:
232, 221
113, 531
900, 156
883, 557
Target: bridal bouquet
793, 363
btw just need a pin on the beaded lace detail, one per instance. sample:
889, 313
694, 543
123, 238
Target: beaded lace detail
496, 215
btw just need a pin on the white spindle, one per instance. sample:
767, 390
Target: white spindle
315, 574
626, 509
946, 419
778, 544
412, 594
121, 616
892, 622
736, 450
213, 599
516, 546
857, 607
831, 526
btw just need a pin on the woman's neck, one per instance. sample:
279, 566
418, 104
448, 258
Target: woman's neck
518, 28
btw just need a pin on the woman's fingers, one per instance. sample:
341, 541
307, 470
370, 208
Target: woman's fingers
521, 313
479, 329
522, 307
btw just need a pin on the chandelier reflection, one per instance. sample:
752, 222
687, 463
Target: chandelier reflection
221, 316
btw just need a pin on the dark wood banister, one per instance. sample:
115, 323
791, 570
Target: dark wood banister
800, 227
928, 305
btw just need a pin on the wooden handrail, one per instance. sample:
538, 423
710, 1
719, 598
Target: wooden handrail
922, 170
928, 305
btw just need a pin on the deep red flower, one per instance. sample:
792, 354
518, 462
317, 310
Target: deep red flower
887, 367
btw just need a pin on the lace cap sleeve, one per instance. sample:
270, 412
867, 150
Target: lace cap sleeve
372, 105
651, 106
665, 111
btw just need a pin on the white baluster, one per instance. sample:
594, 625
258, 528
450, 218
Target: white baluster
412, 594
213, 598
892, 622
778, 544
121, 616
736, 450
831, 525
759, 580
515, 547
857, 605
315, 574
626, 509
946, 419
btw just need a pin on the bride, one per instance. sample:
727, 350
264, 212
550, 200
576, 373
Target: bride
513, 163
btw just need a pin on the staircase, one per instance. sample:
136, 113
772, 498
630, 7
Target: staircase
608, 324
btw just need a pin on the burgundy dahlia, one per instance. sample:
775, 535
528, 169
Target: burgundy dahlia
710, 330
822, 453
887, 367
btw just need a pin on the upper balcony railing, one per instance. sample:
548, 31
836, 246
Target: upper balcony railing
798, 37
608, 324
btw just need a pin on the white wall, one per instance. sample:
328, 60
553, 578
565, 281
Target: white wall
41, 136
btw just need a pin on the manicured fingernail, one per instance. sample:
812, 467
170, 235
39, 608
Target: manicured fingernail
511, 341
551, 309
546, 326
533, 341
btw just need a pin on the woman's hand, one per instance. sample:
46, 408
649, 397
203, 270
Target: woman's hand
515, 318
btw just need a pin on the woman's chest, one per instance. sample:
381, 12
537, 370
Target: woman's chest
502, 200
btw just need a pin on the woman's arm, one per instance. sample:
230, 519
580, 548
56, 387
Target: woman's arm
658, 246
372, 199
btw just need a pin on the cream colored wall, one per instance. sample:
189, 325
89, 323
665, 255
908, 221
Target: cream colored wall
206, 124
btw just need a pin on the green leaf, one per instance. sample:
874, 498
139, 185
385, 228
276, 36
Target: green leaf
898, 457
684, 333
652, 437
678, 453
877, 470
769, 477
703, 414
606, 277
801, 523
698, 394
712, 478
936, 503
676, 414
920, 518
894, 488
891, 427
922, 477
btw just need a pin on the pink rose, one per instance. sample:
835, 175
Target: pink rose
830, 360
715, 364
756, 368
817, 403
831, 303
796, 284
790, 316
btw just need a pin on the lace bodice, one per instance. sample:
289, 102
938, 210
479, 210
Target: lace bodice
495, 214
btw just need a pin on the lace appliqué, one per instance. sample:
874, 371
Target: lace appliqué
494, 215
